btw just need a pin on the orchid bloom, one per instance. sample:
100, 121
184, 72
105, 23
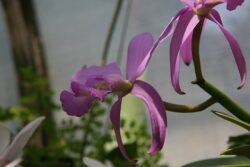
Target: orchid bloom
89, 84
181, 43
10, 152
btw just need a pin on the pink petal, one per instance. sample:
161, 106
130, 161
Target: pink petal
216, 15
166, 32
186, 46
137, 61
21, 139
184, 28
115, 119
94, 71
188, 3
89, 92
156, 111
233, 4
238, 55
75, 105
186, 50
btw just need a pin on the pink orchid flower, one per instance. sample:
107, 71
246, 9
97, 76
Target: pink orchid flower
10, 152
181, 43
95, 83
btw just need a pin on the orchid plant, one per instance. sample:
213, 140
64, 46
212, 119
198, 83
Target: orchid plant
10, 151
93, 83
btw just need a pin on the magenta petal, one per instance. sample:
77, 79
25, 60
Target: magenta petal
186, 50
216, 15
115, 119
167, 31
85, 73
235, 47
186, 46
75, 105
184, 28
157, 113
188, 3
83, 90
169, 28
233, 4
138, 49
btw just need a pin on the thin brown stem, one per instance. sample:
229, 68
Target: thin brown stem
189, 108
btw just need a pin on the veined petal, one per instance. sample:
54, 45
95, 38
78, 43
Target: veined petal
5, 138
156, 111
75, 105
235, 47
83, 90
85, 73
184, 28
115, 119
21, 139
138, 48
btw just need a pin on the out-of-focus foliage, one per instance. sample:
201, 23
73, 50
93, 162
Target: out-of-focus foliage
241, 140
221, 162
239, 145
71, 140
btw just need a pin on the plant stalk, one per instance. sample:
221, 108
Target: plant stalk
221, 98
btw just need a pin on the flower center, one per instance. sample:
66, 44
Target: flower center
102, 85
124, 86
200, 8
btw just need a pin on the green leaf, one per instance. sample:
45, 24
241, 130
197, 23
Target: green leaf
233, 120
118, 160
240, 140
221, 162
242, 150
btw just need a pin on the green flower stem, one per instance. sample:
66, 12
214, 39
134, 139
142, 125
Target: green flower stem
111, 31
189, 108
221, 98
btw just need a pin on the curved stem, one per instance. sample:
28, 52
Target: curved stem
111, 32
124, 31
191, 108
223, 99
